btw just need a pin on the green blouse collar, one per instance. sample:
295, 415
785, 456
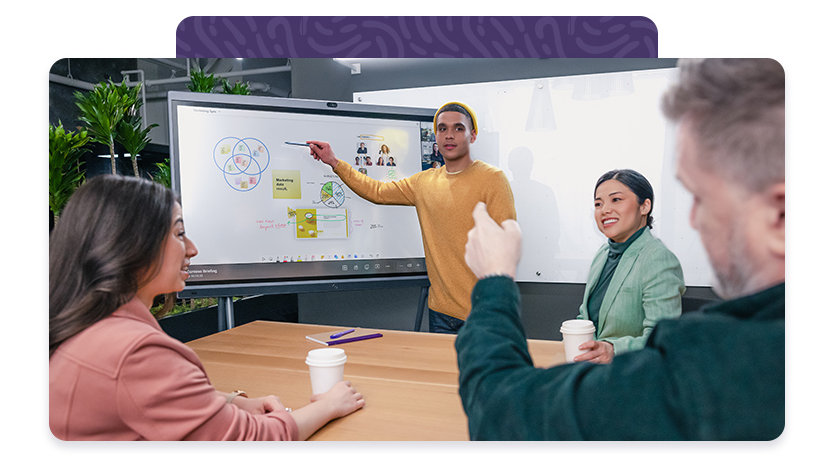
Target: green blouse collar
616, 249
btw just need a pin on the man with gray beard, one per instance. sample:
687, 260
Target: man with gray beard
718, 373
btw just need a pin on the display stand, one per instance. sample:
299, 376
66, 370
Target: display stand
224, 293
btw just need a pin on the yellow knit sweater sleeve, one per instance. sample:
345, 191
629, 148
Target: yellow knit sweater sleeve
399, 192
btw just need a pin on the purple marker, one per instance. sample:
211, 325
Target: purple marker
354, 338
342, 333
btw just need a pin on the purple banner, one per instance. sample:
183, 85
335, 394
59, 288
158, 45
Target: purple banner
417, 36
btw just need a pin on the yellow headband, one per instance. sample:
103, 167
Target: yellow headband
467, 108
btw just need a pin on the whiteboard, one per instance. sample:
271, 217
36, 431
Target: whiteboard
261, 208
554, 137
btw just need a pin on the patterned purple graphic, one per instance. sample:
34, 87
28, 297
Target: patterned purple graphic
416, 36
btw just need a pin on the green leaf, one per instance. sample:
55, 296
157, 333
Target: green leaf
163, 173
239, 88
66, 150
105, 107
132, 136
102, 109
200, 82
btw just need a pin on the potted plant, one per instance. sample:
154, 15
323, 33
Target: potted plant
239, 88
202, 83
101, 111
65, 172
131, 135
162, 175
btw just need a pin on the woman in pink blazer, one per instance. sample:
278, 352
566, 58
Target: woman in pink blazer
113, 373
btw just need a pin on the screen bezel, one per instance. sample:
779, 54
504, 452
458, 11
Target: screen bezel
250, 278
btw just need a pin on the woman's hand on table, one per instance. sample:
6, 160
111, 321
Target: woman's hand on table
342, 398
259, 405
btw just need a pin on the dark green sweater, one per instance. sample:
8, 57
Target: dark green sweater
715, 374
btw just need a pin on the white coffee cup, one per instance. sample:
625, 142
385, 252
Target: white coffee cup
327, 368
574, 333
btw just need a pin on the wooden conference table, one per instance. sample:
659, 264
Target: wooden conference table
409, 379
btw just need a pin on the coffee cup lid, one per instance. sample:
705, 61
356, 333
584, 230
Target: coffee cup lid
326, 356
577, 326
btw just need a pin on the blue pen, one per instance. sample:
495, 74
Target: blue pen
342, 333
296, 143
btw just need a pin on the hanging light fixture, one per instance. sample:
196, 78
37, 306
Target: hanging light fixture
541, 116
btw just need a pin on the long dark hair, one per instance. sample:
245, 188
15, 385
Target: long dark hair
637, 183
110, 234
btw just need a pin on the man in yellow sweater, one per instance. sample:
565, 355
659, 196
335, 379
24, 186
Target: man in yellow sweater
444, 198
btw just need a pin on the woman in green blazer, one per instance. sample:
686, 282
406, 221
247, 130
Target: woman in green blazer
634, 280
